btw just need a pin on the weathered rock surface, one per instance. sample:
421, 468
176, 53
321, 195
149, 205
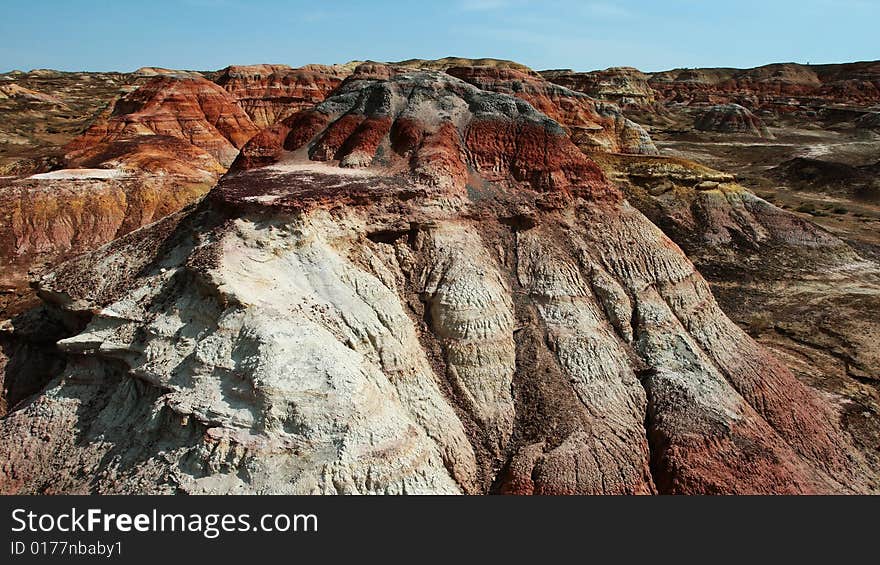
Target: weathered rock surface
802, 291
190, 108
157, 71
449, 62
625, 86
41, 113
427, 288
16, 91
732, 118
156, 150
592, 125
270, 93
434, 126
111, 190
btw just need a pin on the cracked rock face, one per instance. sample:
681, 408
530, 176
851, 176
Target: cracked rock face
417, 287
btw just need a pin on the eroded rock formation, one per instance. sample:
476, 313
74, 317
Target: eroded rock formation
780, 87
190, 108
152, 152
270, 93
418, 286
732, 118
625, 86
805, 293
593, 125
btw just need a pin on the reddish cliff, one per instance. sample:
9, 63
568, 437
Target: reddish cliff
190, 108
270, 93
592, 125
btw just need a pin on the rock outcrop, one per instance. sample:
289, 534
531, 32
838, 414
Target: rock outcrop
435, 126
16, 91
41, 113
593, 125
805, 293
190, 108
625, 86
158, 71
270, 93
111, 190
426, 288
153, 152
449, 62
732, 118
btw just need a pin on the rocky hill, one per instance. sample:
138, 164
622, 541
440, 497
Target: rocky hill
270, 93
448, 276
416, 286
732, 118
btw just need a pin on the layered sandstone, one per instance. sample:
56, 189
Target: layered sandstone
434, 126
110, 190
270, 93
593, 125
427, 288
781, 87
152, 152
450, 62
807, 294
190, 108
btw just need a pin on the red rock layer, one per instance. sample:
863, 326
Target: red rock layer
592, 125
148, 154
435, 127
110, 189
270, 93
190, 108
784, 87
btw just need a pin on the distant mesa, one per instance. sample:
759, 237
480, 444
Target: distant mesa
449, 62
782, 87
45, 73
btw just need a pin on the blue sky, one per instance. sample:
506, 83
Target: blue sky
652, 35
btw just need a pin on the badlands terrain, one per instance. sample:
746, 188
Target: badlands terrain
456, 276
